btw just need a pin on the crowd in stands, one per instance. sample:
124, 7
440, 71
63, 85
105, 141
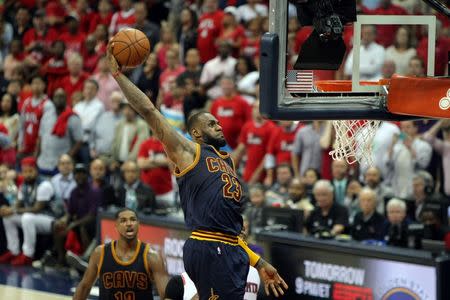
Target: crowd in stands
71, 145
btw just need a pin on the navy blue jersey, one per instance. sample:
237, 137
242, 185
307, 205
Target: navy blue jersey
211, 192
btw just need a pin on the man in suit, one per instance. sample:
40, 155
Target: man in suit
339, 170
133, 193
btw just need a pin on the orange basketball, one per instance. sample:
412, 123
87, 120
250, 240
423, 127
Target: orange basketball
130, 47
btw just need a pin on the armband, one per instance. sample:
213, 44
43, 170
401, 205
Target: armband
251, 255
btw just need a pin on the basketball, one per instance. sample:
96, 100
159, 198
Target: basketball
130, 47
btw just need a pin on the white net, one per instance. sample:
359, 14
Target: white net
354, 140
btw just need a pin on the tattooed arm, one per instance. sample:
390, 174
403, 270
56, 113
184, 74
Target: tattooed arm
178, 148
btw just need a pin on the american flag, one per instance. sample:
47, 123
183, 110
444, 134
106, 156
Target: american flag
299, 81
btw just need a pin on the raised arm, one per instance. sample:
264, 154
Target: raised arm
85, 285
179, 149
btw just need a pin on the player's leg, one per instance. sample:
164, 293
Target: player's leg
218, 270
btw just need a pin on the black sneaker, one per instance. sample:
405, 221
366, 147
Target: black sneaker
76, 261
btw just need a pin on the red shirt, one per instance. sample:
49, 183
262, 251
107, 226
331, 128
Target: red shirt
386, 33
49, 36
255, 138
74, 42
281, 144
165, 80
209, 27
250, 47
32, 115
72, 87
98, 19
442, 48
121, 20
232, 115
159, 179
238, 34
54, 69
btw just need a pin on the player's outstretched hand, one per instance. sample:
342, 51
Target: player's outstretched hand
114, 67
271, 279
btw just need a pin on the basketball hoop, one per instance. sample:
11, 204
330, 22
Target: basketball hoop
354, 140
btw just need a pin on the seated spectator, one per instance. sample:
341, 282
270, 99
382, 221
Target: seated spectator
103, 134
130, 132
133, 193
339, 171
422, 192
80, 218
396, 229
368, 224
372, 179
371, 55
430, 218
97, 171
279, 191
59, 134
32, 212
63, 183
329, 218
416, 67
298, 198
388, 69
155, 172
254, 212
351, 201
311, 176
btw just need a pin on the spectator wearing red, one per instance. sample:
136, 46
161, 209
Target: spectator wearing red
279, 148
209, 26
73, 37
122, 19
253, 140
232, 31
101, 36
55, 13
107, 84
231, 110
155, 172
90, 56
386, 33
33, 111
103, 16
56, 67
441, 50
85, 15
250, 45
169, 76
37, 40
167, 42
73, 82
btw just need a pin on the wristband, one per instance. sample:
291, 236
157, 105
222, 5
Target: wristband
116, 74
251, 255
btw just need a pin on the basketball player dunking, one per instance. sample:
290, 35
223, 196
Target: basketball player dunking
214, 257
125, 267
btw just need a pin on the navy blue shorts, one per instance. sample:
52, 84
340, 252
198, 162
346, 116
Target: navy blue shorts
217, 269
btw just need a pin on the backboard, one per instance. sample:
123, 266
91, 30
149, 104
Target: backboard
297, 95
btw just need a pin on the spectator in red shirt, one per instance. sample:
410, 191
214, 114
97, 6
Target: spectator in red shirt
279, 148
73, 37
85, 15
231, 110
168, 41
209, 26
56, 67
441, 50
155, 172
103, 16
386, 33
169, 75
122, 19
253, 142
37, 40
90, 56
232, 31
101, 36
33, 111
250, 44
73, 82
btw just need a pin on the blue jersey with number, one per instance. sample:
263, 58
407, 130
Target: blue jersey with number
210, 192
